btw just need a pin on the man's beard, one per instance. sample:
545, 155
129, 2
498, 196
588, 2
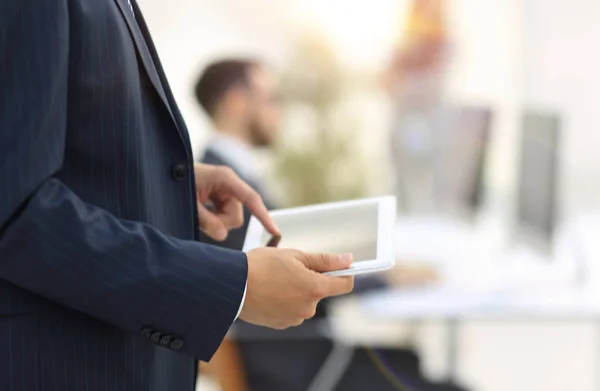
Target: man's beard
258, 136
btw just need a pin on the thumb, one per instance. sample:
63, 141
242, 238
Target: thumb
326, 262
210, 224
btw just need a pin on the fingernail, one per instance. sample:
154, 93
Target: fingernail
346, 258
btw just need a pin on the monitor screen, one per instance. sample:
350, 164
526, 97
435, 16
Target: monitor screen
462, 157
536, 201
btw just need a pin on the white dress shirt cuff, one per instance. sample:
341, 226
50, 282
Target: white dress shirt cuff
242, 303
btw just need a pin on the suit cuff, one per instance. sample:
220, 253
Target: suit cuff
242, 302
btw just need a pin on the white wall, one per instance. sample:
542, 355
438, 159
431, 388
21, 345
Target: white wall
562, 71
486, 69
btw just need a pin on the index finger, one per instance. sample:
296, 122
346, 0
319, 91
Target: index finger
252, 200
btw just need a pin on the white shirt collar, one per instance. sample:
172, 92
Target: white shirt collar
238, 154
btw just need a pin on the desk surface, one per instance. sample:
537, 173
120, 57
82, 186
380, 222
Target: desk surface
377, 319
517, 287
496, 303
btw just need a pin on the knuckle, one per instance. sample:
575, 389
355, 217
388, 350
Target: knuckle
238, 222
211, 226
318, 291
294, 321
226, 171
298, 322
206, 226
310, 312
254, 198
212, 170
290, 253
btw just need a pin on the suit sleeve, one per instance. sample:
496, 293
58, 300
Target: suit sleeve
235, 240
80, 256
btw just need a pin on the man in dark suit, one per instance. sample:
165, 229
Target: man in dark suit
103, 285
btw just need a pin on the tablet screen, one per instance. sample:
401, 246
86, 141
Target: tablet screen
344, 229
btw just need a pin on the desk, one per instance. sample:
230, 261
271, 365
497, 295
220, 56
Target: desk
482, 283
372, 319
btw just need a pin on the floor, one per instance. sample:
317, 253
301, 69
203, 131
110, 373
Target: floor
515, 356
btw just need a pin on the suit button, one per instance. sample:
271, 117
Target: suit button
146, 332
176, 344
155, 337
166, 340
179, 172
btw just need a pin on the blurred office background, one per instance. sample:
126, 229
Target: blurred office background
517, 81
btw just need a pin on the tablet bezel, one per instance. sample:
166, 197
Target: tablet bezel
386, 223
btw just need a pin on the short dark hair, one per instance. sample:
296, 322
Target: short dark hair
218, 78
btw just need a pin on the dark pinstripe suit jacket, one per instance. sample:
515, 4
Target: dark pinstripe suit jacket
102, 284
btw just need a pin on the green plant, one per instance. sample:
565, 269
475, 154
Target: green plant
323, 166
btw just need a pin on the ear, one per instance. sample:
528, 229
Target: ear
236, 101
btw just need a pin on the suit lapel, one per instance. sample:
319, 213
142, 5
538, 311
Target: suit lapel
161, 76
134, 24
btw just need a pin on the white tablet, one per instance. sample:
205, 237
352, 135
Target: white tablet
363, 227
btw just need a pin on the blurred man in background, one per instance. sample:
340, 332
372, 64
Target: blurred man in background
241, 100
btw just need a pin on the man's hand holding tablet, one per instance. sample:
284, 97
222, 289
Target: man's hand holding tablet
284, 286
365, 228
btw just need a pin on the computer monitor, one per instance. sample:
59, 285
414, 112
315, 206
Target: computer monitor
538, 179
461, 161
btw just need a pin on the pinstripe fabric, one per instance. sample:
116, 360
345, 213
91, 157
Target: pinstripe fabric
97, 232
